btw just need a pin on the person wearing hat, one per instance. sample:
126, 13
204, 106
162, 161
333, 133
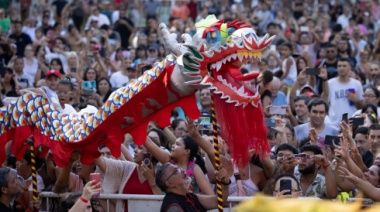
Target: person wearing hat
152, 53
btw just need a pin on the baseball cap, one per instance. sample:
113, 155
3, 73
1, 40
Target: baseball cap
53, 72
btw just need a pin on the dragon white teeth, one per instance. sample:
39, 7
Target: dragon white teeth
241, 90
218, 65
241, 58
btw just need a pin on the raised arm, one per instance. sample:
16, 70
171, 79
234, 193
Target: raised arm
160, 154
63, 180
341, 182
210, 201
366, 187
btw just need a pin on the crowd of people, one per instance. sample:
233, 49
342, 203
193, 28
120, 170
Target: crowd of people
319, 86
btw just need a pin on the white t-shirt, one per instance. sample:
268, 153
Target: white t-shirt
31, 69
25, 80
118, 80
292, 74
339, 103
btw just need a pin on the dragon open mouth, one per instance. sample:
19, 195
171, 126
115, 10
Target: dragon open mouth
230, 82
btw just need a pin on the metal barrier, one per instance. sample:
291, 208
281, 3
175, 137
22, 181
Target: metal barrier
143, 203
137, 203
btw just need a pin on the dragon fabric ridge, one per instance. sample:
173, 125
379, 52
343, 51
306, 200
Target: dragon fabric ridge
210, 58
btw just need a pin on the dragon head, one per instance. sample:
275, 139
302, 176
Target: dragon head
212, 58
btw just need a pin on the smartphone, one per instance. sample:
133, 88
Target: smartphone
146, 159
204, 131
89, 88
205, 120
286, 184
357, 121
322, 62
304, 28
330, 139
74, 69
345, 117
312, 71
237, 176
112, 41
270, 122
300, 158
96, 177
277, 110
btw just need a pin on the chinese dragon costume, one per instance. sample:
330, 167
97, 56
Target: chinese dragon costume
210, 58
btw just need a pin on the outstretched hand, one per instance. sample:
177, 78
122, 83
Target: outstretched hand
90, 189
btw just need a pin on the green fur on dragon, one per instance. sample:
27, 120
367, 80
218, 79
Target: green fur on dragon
211, 58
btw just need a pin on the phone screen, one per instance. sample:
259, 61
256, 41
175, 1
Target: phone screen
205, 120
345, 117
357, 121
270, 122
277, 110
330, 139
312, 71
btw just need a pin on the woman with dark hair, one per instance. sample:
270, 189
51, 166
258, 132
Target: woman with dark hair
130, 177
367, 181
345, 51
185, 154
56, 64
179, 127
370, 96
90, 75
295, 191
103, 89
155, 133
9, 84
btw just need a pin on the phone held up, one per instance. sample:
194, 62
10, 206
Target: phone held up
286, 184
146, 159
96, 177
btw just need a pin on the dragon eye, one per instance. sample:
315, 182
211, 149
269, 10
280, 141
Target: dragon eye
231, 30
213, 36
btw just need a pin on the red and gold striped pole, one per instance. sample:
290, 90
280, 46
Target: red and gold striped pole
34, 174
217, 158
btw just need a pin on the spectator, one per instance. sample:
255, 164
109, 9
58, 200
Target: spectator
9, 84
278, 97
317, 112
137, 176
125, 27
9, 188
363, 145
25, 80
19, 38
179, 127
96, 16
205, 100
30, 62
295, 191
312, 183
371, 96
104, 89
122, 77
174, 182
346, 94
302, 113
